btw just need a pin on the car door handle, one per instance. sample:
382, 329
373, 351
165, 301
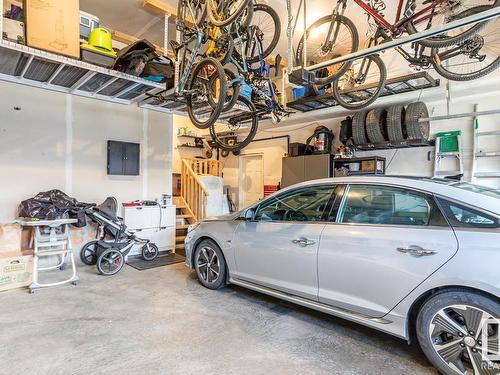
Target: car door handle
303, 242
416, 251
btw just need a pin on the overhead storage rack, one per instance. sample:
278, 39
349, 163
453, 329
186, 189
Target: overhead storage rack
397, 85
33, 67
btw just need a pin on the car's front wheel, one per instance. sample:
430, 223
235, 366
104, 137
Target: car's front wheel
458, 332
210, 265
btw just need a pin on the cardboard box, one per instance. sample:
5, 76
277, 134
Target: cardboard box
10, 238
368, 166
16, 271
13, 31
53, 25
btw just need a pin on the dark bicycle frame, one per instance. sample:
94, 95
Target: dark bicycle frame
399, 24
397, 28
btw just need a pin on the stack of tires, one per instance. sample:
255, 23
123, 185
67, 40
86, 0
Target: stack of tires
394, 124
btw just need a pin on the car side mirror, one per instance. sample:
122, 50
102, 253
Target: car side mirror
248, 215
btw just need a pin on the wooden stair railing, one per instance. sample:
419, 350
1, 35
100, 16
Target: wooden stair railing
193, 191
205, 167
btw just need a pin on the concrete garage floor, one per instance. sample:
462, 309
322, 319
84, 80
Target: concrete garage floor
161, 321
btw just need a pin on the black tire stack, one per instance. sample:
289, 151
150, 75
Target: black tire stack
394, 124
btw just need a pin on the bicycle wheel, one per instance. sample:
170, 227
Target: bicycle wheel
223, 12
199, 88
473, 58
246, 120
319, 49
267, 28
189, 10
444, 13
232, 90
362, 84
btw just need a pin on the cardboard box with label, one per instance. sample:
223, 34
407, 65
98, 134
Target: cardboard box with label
16, 265
16, 270
53, 25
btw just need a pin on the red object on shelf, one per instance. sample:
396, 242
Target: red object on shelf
269, 189
132, 204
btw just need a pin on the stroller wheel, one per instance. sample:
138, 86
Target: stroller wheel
150, 251
110, 262
88, 253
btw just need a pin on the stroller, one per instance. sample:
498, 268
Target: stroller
114, 241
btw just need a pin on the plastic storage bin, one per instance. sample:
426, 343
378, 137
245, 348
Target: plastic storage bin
448, 141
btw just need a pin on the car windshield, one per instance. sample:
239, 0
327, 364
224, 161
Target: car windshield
469, 187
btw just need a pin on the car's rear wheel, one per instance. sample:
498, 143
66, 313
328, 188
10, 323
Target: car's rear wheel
210, 265
452, 332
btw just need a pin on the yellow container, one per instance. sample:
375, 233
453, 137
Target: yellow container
100, 41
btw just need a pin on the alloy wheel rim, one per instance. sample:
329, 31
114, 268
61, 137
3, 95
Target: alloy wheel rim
208, 265
457, 337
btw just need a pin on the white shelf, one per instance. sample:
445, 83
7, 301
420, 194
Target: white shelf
29, 66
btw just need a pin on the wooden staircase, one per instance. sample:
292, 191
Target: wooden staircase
191, 204
183, 212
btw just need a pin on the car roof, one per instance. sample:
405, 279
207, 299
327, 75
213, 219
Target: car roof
482, 201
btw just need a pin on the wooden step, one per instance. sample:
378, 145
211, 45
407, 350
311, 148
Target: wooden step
178, 227
179, 246
180, 238
183, 216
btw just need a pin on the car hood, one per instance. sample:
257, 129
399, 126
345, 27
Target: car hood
227, 217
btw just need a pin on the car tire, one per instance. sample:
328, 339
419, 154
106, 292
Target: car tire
414, 128
358, 128
396, 126
210, 265
448, 328
376, 121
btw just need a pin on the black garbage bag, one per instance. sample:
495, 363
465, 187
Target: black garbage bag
51, 205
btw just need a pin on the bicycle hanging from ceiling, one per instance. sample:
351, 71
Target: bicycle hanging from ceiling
455, 37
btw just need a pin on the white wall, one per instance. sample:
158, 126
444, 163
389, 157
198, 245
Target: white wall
58, 141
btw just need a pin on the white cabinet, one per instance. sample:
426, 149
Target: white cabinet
156, 223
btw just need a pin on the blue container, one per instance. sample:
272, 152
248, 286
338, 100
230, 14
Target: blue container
304, 91
246, 91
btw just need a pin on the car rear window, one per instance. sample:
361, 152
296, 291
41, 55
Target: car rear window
461, 216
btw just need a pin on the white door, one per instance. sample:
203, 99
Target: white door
278, 248
386, 242
251, 179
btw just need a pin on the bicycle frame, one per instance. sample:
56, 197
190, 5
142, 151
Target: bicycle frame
187, 69
400, 23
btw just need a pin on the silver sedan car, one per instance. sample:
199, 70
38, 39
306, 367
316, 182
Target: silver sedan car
410, 257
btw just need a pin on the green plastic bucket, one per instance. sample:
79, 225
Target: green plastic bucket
448, 141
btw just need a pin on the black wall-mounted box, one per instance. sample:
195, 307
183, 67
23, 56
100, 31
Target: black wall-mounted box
123, 158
